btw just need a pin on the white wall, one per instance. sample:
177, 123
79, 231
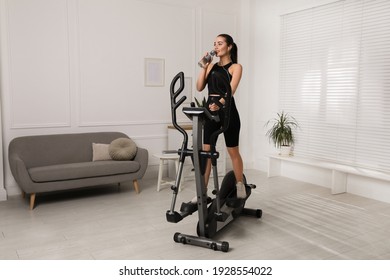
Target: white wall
78, 65
265, 81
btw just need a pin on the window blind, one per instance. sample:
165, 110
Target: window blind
334, 79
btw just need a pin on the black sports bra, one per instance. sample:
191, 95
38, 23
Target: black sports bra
215, 85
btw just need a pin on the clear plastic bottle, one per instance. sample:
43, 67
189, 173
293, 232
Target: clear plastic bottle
206, 59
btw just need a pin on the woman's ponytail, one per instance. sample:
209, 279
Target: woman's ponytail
234, 53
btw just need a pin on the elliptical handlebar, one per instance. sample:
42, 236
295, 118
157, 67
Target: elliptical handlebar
199, 110
175, 104
192, 110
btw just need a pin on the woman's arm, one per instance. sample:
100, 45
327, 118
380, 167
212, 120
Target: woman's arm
236, 71
202, 77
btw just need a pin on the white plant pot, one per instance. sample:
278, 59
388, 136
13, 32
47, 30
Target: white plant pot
285, 151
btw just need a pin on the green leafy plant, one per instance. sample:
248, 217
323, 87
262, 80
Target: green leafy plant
202, 103
281, 132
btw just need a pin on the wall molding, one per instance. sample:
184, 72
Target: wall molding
149, 137
4, 67
127, 123
11, 82
124, 123
49, 125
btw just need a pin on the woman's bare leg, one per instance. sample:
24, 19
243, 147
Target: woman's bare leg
206, 147
238, 169
238, 166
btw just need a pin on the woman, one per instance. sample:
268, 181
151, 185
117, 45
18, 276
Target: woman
226, 50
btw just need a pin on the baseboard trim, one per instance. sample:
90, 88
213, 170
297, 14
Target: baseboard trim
3, 194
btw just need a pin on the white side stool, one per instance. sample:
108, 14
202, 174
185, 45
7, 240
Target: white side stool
165, 157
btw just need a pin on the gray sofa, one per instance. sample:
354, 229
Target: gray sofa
47, 163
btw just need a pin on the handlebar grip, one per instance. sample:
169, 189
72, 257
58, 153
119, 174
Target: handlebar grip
178, 76
175, 104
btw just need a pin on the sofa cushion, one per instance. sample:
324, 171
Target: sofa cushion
100, 152
71, 171
122, 149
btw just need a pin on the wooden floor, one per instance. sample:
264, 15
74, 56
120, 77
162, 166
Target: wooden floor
300, 221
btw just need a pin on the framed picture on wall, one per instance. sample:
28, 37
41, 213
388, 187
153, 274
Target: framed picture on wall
154, 72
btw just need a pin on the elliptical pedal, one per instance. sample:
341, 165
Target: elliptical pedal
189, 207
173, 217
235, 202
221, 216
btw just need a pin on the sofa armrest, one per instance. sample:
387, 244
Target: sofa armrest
20, 173
142, 157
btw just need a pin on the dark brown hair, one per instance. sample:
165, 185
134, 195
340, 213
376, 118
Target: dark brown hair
230, 42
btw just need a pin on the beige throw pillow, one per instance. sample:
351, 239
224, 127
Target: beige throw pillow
100, 152
122, 149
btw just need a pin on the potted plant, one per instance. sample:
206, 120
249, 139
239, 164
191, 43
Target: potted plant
281, 132
201, 103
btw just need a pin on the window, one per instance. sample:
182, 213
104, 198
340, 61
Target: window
335, 80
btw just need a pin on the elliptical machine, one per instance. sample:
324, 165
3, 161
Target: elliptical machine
226, 206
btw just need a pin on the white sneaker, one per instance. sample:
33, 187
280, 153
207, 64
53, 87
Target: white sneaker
194, 200
241, 191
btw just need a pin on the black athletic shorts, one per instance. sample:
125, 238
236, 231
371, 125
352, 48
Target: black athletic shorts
232, 134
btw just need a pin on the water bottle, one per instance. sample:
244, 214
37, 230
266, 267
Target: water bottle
206, 59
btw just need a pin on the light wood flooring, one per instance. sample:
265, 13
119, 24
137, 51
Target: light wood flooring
300, 221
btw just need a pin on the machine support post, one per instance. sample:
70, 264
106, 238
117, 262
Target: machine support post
199, 176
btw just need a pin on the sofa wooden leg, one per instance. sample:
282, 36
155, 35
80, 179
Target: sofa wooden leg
32, 201
136, 186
